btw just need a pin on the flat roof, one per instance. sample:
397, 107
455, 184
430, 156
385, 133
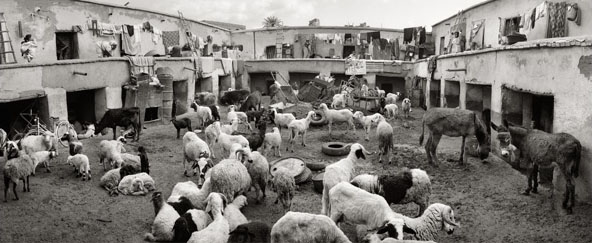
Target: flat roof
319, 27
464, 10
150, 11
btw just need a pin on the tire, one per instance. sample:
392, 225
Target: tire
305, 176
315, 166
320, 121
335, 149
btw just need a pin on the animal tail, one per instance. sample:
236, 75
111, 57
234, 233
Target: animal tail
575, 171
422, 131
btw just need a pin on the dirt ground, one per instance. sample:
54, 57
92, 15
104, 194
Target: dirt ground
485, 195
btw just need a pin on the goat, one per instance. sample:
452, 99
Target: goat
123, 117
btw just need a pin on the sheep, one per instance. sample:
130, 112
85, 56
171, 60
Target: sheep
252, 232
16, 169
136, 184
194, 150
283, 185
211, 133
42, 157
282, 119
256, 139
202, 113
392, 98
404, 187
81, 165
111, 150
205, 98
197, 196
218, 230
384, 132
241, 116
131, 159
339, 100
435, 218
191, 221
233, 214
74, 146
258, 169
273, 140
374, 238
180, 124
406, 106
162, 227
380, 92
230, 177
343, 115
296, 227
44, 142
391, 110
342, 170
366, 122
299, 127
234, 97
252, 102
225, 140
110, 180
232, 127
356, 206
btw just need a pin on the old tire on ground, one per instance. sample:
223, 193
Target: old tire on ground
335, 149
315, 165
319, 119
317, 182
305, 176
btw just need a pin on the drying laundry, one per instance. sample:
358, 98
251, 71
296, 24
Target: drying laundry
541, 10
130, 42
557, 20
407, 35
170, 38
156, 35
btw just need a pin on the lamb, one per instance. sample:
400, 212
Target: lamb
404, 187
299, 127
111, 150
74, 146
252, 232
406, 106
258, 169
392, 98
218, 230
162, 227
226, 140
233, 214
282, 119
232, 127
284, 186
306, 228
230, 177
339, 100
391, 110
197, 196
380, 92
194, 150
44, 142
273, 140
384, 132
180, 124
366, 122
435, 218
202, 113
16, 169
343, 170
356, 206
42, 157
241, 116
110, 180
81, 165
343, 115
191, 221
136, 184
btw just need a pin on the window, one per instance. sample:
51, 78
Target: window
442, 45
270, 52
66, 45
512, 26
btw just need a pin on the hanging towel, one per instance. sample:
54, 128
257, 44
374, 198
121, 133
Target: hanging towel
207, 64
170, 38
129, 29
130, 44
226, 65
156, 35
557, 20
202, 43
396, 49
142, 65
407, 35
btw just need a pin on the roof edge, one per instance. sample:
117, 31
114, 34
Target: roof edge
464, 10
317, 27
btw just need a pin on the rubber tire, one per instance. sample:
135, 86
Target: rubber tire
320, 122
315, 166
341, 150
305, 176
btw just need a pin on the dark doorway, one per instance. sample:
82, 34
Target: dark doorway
435, 93
16, 115
81, 106
542, 112
392, 84
347, 50
270, 52
151, 114
452, 94
66, 45
261, 82
180, 96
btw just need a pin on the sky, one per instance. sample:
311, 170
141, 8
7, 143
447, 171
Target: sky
396, 14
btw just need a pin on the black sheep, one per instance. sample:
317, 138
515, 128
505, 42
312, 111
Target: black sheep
182, 205
252, 232
255, 115
127, 170
256, 139
181, 123
252, 102
234, 97
144, 164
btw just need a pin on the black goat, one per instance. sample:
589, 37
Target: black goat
252, 232
253, 102
234, 97
180, 124
144, 164
123, 117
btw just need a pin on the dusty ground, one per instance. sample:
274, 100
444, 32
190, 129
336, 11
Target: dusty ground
485, 196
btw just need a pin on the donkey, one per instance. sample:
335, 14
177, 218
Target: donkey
543, 150
453, 123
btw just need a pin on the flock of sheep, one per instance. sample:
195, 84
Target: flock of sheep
210, 211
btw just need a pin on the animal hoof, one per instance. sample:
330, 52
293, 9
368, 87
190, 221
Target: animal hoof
526, 193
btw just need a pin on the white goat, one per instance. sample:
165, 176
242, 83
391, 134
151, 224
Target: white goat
381, 92
44, 142
392, 98
273, 140
391, 110
406, 106
299, 127
241, 116
366, 121
339, 100
305, 227
342, 170
282, 119
343, 115
218, 230
111, 151
233, 214
194, 150
384, 133
226, 140
42, 157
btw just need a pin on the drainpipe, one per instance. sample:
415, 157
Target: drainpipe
254, 47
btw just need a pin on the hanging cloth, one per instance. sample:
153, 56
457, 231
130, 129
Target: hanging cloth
422, 35
407, 35
557, 20
396, 49
130, 44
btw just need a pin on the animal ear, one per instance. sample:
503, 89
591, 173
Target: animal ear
224, 200
360, 154
383, 229
408, 230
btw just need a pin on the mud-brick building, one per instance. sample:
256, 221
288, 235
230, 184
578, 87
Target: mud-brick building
68, 77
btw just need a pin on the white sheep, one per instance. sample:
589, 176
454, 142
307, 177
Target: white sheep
44, 142
136, 184
305, 227
392, 98
111, 150
284, 186
356, 206
404, 187
282, 119
230, 177
239, 115
233, 214
42, 157
406, 107
162, 226
81, 165
74, 146
226, 140
110, 180
15, 169
258, 169
211, 133
191, 191
391, 110
339, 100
342, 170
230, 128
133, 160
366, 122
191, 221
218, 230
273, 140
299, 127
202, 113
343, 115
380, 92
384, 133
435, 218
195, 150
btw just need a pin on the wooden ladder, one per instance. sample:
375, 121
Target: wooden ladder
5, 38
185, 30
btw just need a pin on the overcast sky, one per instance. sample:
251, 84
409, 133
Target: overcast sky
396, 14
